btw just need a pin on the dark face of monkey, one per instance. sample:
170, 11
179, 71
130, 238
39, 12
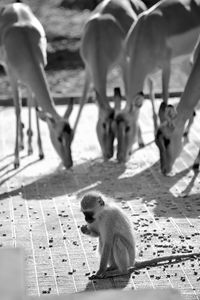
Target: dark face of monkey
89, 216
91, 204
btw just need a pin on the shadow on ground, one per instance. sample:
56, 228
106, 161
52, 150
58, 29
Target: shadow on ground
107, 177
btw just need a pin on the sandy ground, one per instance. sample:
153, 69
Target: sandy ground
40, 210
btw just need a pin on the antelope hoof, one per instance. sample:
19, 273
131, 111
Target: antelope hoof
29, 133
16, 165
41, 156
21, 147
195, 167
30, 151
141, 145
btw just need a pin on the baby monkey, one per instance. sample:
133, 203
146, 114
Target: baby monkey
114, 230
113, 227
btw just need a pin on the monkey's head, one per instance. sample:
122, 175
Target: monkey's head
91, 204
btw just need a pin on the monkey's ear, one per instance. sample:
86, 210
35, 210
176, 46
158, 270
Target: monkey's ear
101, 202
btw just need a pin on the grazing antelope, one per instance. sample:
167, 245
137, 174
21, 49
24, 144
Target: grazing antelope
101, 49
173, 120
166, 32
23, 54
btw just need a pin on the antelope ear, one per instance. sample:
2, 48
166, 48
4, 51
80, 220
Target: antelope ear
46, 117
136, 104
161, 112
139, 100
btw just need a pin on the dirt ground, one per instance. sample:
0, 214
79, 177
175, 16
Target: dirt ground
40, 209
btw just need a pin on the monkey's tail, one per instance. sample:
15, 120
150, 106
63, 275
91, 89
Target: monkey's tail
164, 259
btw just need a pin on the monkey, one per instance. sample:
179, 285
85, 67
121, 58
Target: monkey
117, 250
117, 246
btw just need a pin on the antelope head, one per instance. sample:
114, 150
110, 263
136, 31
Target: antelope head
126, 127
168, 137
104, 128
61, 134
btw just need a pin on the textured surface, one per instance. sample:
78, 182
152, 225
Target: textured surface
39, 209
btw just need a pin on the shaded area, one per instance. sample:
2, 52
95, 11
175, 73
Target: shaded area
106, 177
64, 53
80, 4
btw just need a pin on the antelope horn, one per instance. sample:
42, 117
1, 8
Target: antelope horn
136, 104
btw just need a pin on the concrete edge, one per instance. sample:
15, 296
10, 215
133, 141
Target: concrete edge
61, 100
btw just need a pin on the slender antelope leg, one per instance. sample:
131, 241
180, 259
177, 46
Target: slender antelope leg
17, 103
166, 71
196, 162
29, 131
21, 135
152, 98
83, 99
33, 103
21, 124
140, 139
190, 122
39, 140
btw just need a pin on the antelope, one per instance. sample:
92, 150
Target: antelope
162, 34
101, 49
173, 120
23, 55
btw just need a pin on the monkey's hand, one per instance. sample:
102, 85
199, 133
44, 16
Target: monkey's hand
85, 230
88, 231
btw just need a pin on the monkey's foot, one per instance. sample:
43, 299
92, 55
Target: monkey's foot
95, 276
116, 273
98, 275
109, 274
111, 268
